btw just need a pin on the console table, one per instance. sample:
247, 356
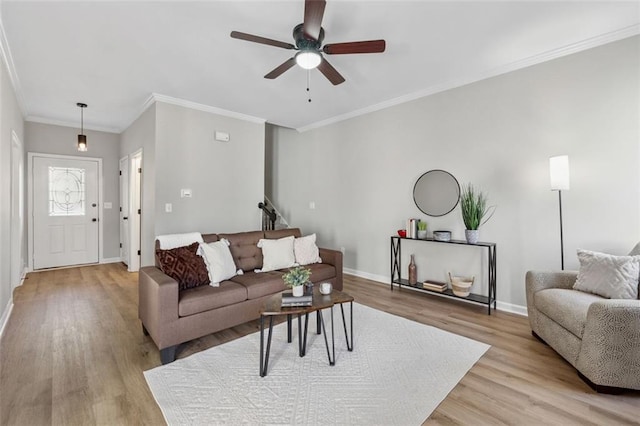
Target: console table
396, 275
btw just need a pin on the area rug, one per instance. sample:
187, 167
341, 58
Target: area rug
398, 373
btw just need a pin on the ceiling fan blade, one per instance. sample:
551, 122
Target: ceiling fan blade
313, 12
370, 46
280, 69
261, 40
330, 72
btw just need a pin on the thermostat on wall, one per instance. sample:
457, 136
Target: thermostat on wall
222, 136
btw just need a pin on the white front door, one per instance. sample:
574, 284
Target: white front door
65, 212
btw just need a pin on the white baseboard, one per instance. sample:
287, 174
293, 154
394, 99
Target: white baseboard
5, 317
381, 279
111, 260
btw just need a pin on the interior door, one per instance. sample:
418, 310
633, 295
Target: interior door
124, 210
65, 212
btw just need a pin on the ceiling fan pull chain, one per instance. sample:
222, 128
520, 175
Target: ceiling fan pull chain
309, 84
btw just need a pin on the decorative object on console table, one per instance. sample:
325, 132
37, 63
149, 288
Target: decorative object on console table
473, 204
422, 230
442, 235
402, 233
413, 272
559, 178
461, 286
434, 286
296, 278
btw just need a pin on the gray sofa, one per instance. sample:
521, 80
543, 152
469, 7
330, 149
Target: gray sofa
600, 337
172, 317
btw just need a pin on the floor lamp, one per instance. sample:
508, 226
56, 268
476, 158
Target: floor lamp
559, 177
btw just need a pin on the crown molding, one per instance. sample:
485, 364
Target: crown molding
206, 108
514, 66
44, 120
5, 52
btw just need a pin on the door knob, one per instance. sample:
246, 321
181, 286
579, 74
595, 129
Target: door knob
125, 218
93, 205
94, 220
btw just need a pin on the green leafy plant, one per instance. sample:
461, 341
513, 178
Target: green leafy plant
473, 204
422, 226
296, 276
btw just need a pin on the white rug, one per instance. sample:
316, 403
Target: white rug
398, 373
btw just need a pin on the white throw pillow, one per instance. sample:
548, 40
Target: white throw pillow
277, 254
219, 261
614, 277
306, 250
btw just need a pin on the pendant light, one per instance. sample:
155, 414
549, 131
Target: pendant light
82, 138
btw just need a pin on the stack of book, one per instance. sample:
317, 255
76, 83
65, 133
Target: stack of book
289, 300
435, 286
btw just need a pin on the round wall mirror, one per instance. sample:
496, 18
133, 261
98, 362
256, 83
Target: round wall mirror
436, 193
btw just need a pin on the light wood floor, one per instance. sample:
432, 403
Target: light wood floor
73, 353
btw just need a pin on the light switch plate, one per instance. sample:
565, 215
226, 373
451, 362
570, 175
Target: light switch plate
185, 193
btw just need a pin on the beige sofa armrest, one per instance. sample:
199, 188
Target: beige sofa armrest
157, 301
540, 280
333, 257
610, 351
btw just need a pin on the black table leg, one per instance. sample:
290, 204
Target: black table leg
289, 328
344, 324
304, 338
264, 357
332, 359
318, 328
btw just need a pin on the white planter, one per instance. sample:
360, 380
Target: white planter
298, 290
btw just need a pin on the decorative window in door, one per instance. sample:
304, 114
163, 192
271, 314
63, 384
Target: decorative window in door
66, 191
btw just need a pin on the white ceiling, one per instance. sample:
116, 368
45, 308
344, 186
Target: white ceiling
115, 55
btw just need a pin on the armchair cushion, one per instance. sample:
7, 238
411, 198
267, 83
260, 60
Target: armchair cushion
613, 277
566, 307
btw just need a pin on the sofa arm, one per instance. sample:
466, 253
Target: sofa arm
157, 301
333, 257
610, 350
540, 280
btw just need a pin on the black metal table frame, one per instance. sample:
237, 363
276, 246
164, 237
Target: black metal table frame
396, 278
302, 338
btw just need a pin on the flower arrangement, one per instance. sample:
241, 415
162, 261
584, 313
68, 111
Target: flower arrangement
296, 276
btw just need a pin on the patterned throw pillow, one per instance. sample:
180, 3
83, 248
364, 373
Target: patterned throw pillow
306, 250
613, 277
184, 265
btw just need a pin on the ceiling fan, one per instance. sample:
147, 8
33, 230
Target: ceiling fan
308, 38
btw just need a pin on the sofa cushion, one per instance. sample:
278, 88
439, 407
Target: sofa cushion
281, 233
210, 238
206, 298
614, 277
321, 272
219, 261
566, 307
244, 249
277, 254
306, 250
184, 265
261, 284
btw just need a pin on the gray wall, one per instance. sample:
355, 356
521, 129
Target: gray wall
10, 120
61, 140
141, 134
497, 134
226, 178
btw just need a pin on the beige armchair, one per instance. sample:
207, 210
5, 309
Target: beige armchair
600, 337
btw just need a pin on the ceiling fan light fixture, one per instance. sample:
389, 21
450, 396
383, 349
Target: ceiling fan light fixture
308, 59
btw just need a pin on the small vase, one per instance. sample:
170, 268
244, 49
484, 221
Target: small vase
471, 235
413, 272
298, 290
422, 235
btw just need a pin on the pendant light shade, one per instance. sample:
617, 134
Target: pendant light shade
82, 138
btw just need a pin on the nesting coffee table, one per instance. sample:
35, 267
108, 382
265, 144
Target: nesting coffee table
273, 307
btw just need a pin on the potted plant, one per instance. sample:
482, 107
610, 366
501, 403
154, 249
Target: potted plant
422, 230
475, 212
296, 278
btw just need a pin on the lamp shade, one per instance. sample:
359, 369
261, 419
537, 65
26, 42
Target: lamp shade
82, 143
559, 172
308, 59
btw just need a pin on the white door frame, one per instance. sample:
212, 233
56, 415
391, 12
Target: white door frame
17, 190
30, 200
135, 202
125, 231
